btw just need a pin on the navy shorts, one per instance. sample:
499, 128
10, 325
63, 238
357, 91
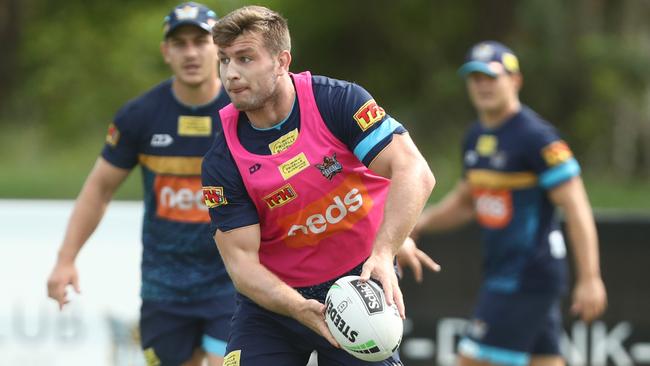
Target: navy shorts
508, 328
171, 331
261, 338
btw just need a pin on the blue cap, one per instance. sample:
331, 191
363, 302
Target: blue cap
190, 13
491, 58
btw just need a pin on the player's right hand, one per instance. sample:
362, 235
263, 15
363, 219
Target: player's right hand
62, 275
410, 256
589, 299
312, 315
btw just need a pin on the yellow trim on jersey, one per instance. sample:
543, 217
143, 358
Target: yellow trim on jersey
508, 180
177, 165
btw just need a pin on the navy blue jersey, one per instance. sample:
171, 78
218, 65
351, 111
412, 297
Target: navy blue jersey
180, 261
510, 169
339, 102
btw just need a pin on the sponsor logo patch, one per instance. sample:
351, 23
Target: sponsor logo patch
150, 357
214, 197
371, 296
180, 199
161, 140
112, 135
281, 197
493, 207
194, 126
483, 52
284, 142
254, 168
232, 358
486, 145
499, 159
330, 167
293, 166
369, 114
471, 157
510, 62
556, 153
187, 12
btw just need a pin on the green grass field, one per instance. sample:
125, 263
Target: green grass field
33, 168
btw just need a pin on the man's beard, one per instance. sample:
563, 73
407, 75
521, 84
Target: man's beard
257, 101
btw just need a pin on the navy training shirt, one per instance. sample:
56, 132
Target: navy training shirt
510, 169
180, 261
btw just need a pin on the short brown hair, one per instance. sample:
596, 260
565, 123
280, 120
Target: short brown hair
256, 19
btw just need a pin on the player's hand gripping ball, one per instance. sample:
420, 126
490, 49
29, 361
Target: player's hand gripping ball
360, 320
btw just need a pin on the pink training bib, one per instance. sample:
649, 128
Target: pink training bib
319, 206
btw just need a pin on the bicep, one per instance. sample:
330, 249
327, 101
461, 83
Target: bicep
568, 194
401, 151
106, 177
239, 246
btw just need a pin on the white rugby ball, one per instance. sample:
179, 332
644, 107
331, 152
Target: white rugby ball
360, 320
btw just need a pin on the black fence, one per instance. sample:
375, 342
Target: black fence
438, 308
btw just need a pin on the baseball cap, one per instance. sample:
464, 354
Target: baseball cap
189, 13
490, 58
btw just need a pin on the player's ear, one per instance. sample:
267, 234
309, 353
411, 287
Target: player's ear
164, 51
284, 60
519, 80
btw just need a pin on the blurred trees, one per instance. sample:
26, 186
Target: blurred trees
67, 66
9, 38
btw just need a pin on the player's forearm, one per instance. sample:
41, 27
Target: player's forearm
259, 284
455, 209
443, 216
88, 211
409, 190
239, 249
584, 239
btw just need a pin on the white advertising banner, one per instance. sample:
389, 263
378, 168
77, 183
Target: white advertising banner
99, 325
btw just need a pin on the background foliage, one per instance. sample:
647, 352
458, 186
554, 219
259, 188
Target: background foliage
68, 66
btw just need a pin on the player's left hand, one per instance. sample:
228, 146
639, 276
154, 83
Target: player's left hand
380, 267
589, 299
410, 256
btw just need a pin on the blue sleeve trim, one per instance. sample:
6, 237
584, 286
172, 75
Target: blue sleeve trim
493, 355
385, 129
214, 346
559, 174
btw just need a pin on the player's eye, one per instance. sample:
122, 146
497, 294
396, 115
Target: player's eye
224, 60
245, 59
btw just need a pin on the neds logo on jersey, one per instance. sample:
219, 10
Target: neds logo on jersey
180, 199
370, 296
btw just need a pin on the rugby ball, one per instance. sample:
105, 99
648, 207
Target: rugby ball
360, 320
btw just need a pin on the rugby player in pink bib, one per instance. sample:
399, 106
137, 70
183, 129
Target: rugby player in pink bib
311, 180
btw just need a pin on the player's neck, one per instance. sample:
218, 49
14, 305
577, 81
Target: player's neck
277, 108
495, 118
195, 95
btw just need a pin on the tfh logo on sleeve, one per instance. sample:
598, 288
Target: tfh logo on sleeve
369, 114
